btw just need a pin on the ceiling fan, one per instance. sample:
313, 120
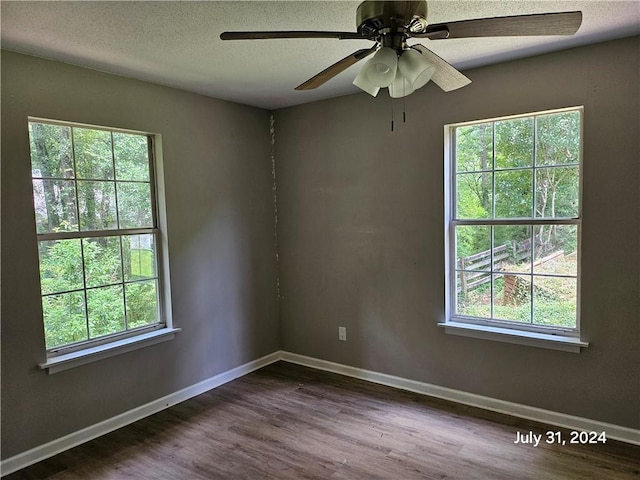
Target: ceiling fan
404, 68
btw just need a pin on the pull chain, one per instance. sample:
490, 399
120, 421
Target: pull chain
404, 105
391, 113
404, 95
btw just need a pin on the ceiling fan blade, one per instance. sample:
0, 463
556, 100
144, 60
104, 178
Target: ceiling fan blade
336, 68
292, 34
431, 33
446, 76
563, 23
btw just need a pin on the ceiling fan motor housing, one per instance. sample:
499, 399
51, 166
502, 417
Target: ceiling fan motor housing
375, 17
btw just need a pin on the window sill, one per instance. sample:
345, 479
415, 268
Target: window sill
81, 357
532, 339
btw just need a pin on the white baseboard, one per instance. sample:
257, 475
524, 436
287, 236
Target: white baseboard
615, 432
74, 439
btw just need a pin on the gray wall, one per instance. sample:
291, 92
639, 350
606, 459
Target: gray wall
360, 234
222, 256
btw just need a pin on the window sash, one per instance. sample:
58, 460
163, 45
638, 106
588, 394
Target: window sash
531, 326
160, 322
128, 332
96, 233
103, 340
517, 221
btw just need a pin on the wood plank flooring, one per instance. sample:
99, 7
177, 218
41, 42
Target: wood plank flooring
290, 422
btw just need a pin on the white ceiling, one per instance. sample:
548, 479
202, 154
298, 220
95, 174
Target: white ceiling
177, 43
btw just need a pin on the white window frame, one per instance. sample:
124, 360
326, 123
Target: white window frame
68, 356
556, 338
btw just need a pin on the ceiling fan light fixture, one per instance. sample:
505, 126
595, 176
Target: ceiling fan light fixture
415, 68
401, 87
363, 84
381, 69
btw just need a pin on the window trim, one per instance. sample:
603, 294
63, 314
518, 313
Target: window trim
62, 362
557, 338
552, 341
63, 357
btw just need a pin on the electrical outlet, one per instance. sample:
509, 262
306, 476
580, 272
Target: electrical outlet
342, 333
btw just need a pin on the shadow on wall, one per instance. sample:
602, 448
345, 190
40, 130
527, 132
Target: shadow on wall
216, 293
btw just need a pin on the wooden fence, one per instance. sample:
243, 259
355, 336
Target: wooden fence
482, 261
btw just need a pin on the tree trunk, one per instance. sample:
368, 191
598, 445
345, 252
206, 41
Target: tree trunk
53, 218
485, 199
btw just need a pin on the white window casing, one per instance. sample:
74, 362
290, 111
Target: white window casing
488, 325
63, 354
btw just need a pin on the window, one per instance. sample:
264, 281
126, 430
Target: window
513, 223
96, 217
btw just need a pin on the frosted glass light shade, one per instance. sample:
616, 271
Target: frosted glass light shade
400, 87
362, 83
415, 68
381, 69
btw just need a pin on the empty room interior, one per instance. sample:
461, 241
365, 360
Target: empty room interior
324, 239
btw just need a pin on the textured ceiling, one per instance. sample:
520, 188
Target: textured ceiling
177, 43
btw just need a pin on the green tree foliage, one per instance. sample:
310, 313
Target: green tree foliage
88, 179
66, 264
474, 161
